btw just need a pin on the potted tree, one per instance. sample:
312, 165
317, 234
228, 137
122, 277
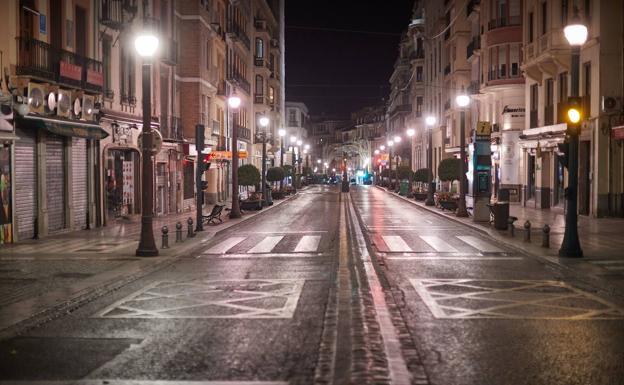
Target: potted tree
422, 177
274, 175
449, 170
249, 175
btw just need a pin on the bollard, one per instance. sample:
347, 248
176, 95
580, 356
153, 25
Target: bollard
190, 234
512, 228
546, 236
165, 237
178, 232
527, 231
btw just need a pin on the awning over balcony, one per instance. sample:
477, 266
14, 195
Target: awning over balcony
64, 127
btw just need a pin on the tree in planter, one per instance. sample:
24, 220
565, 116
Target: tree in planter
248, 175
449, 170
275, 174
404, 172
423, 175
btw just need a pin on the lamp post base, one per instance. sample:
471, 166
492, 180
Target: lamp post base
430, 201
462, 212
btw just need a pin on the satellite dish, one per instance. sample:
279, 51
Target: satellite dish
77, 107
51, 101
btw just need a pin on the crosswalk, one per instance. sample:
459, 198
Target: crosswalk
277, 245
434, 243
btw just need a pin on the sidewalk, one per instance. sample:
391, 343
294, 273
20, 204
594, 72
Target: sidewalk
45, 276
602, 239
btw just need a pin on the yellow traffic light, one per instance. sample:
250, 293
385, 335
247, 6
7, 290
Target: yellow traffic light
574, 115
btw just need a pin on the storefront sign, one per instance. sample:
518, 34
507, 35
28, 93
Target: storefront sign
513, 117
95, 78
510, 157
70, 71
617, 133
227, 155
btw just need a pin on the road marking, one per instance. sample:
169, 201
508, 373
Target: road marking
480, 244
399, 374
271, 255
224, 246
141, 382
438, 244
266, 245
511, 299
395, 243
457, 258
283, 232
308, 243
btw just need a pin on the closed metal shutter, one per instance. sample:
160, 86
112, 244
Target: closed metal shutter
79, 182
25, 184
55, 183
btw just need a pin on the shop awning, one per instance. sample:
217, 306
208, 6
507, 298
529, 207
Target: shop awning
78, 129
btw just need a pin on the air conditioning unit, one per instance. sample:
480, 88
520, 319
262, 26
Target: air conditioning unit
63, 104
610, 104
88, 107
76, 109
6, 113
36, 98
51, 100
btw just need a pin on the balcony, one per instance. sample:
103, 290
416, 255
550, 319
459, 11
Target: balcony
217, 29
533, 119
235, 32
216, 128
241, 82
171, 129
40, 60
244, 133
549, 118
116, 13
474, 45
505, 22
221, 88
261, 99
473, 88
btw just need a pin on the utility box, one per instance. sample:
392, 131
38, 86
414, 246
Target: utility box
404, 188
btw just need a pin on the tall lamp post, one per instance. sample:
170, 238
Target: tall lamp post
576, 34
146, 45
282, 133
299, 159
264, 123
397, 140
430, 121
293, 142
390, 145
462, 101
234, 103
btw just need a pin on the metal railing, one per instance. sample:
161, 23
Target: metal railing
505, 22
240, 81
236, 32
171, 128
244, 133
39, 59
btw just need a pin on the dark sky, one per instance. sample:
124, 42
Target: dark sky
337, 72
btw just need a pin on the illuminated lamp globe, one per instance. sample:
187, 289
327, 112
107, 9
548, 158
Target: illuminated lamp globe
410, 132
299, 142
462, 100
146, 44
397, 139
574, 115
575, 33
382, 147
281, 132
234, 101
264, 121
430, 120
293, 139
376, 152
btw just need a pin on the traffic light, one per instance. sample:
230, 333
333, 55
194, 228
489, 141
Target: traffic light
564, 149
205, 163
574, 115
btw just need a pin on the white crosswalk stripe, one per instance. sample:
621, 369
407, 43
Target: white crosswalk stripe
266, 245
480, 244
438, 244
224, 246
308, 243
396, 244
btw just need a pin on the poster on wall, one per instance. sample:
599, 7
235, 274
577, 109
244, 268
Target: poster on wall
510, 157
128, 183
6, 231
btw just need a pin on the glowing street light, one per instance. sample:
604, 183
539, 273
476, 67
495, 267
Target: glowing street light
410, 132
462, 101
397, 139
376, 152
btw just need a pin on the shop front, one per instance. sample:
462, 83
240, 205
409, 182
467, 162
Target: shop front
122, 178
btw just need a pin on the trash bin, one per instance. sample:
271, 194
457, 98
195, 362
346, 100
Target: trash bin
501, 215
404, 188
503, 195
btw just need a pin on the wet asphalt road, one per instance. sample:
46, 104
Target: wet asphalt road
293, 296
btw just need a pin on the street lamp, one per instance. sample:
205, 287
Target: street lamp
410, 132
576, 34
146, 44
299, 143
462, 101
390, 144
234, 103
430, 121
282, 133
264, 123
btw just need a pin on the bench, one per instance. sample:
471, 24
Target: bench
214, 215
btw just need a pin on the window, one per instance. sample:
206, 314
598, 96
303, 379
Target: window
259, 48
208, 54
204, 110
533, 101
106, 61
419, 104
530, 37
549, 102
419, 74
127, 76
544, 17
563, 87
502, 61
189, 180
587, 79
259, 85
514, 59
564, 12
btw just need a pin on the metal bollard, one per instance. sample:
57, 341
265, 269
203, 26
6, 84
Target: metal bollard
190, 234
527, 231
165, 237
546, 236
511, 227
178, 232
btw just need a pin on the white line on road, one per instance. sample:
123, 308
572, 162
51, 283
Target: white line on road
266, 245
308, 243
224, 246
396, 244
480, 244
458, 258
135, 382
438, 244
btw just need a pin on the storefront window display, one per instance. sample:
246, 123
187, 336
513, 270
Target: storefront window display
6, 222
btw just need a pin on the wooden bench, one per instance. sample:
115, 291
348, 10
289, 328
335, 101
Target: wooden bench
214, 215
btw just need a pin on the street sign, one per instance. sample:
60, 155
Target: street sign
157, 141
227, 155
484, 129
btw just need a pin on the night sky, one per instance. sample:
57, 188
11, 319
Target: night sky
337, 72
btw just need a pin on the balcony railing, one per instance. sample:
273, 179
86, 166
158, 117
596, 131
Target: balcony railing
474, 45
112, 13
171, 128
261, 99
533, 118
236, 32
244, 133
241, 82
549, 118
505, 22
39, 59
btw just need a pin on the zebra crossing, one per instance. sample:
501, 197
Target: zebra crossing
427, 244
267, 244
65, 245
